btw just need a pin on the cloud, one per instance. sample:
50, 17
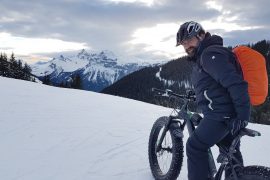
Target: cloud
245, 37
144, 28
160, 40
145, 2
30, 46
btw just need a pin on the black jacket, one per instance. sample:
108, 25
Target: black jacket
219, 86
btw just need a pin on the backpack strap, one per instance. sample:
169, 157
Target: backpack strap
200, 60
235, 61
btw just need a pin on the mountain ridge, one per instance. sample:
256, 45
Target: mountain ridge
96, 69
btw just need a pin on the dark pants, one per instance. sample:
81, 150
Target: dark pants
208, 133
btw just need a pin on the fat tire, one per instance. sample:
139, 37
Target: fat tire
177, 152
254, 173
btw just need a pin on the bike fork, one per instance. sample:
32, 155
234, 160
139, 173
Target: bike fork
166, 128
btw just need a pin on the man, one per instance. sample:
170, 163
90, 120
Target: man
221, 94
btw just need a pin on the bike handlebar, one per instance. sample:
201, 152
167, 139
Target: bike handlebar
168, 93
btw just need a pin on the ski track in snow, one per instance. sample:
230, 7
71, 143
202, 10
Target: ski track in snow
49, 133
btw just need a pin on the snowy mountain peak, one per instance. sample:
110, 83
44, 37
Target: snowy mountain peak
83, 53
97, 69
108, 55
62, 58
99, 57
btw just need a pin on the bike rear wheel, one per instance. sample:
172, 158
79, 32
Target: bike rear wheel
253, 173
166, 163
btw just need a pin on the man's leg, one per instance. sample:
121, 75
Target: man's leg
208, 133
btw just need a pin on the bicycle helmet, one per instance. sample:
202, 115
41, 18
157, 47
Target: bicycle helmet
187, 31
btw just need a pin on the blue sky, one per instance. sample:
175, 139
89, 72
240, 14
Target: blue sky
39, 30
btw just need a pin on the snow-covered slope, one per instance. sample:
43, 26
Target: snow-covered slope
49, 133
97, 70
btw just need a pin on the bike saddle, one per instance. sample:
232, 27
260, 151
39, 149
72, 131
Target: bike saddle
249, 132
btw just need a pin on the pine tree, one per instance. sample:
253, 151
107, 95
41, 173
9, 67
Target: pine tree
47, 80
14, 69
7, 67
76, 82
12, 60
20, 64
262, 47
5, 57
62, 84
2, 65
27, 69
67, 84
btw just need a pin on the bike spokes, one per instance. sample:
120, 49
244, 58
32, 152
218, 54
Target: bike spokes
165, 160
164, 155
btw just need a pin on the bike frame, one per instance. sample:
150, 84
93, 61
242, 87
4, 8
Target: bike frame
225, 157
185, 115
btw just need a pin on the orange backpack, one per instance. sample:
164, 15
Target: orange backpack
253, 66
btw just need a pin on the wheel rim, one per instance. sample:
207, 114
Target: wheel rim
164, 156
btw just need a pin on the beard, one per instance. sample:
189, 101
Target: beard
191, 51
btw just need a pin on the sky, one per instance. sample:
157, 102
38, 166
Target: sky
38, 30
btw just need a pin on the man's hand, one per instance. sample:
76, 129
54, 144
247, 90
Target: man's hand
235, 125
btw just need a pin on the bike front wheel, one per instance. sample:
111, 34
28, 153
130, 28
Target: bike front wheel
166, 162
253, 173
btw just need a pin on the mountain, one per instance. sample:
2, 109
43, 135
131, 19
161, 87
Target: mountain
96, 70
50, 133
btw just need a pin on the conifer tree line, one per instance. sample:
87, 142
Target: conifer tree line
12, 68
74, 82
261, 114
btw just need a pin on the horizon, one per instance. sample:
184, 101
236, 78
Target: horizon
120, 59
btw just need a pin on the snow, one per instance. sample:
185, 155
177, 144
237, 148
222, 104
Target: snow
64, 134
165, 81
109, 54
66, 64
158, 73
62, 64
109, 73
184, 83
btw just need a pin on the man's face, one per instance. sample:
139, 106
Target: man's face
190, 46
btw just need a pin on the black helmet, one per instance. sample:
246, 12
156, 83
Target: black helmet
187, 31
